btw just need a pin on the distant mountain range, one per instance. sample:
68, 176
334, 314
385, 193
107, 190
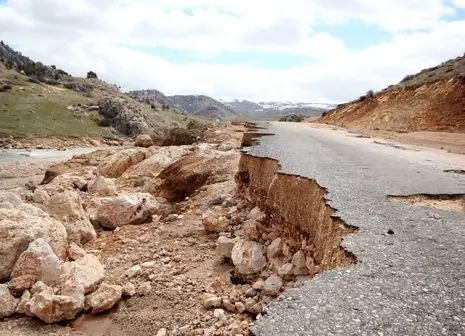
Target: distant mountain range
275, 110
186, 104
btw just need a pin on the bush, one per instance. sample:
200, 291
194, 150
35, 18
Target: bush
407, 78
91, 74
5, 87
370, 94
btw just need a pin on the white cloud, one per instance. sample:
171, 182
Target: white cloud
102, 35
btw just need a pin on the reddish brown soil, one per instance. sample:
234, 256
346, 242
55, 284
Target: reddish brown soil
438, 107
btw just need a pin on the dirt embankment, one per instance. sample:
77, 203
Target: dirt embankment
296, 212
438, 107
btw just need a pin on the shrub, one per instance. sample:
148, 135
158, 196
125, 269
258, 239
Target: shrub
91, 74
370, 94
407, 78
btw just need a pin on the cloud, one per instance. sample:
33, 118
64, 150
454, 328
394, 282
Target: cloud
110, 36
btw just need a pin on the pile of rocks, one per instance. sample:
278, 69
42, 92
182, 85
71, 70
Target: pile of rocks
45, 273
263, 263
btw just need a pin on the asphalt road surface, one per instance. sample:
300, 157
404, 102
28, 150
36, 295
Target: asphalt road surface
411, 282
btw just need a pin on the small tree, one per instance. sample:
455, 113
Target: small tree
370, 94
91, 74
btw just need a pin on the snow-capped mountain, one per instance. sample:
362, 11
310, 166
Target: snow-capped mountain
275, 110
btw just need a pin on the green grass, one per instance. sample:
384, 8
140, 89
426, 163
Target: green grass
38, 109
33, 109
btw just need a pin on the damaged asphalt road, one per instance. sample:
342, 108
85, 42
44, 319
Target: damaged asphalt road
409, 277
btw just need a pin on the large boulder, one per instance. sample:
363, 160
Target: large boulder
67, 207
118, 163
9, 197
158, 158
7, 302
132, 209
126, 120
87, 272
40, 262
52, 308
22, 225
103, 298
143, 140
248, 257
102, 186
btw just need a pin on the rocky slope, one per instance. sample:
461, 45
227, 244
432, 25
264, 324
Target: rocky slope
431, 100
197, 105
41, 100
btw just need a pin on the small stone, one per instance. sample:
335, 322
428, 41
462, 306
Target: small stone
257, 214
104, 298
214, 287
258, 285
249, 303
129, 290
148, 264
40, 196
251, 230
256, 309
102, 186
219, 314
286, 250
144, 288
210, 301
272, 285
162, 332
240, 307
286, 271
19, 284
143, 140
224, 247
80, 183
312, 268
275, 249
7, 302
229, 306
40, 287
75, 252
22, 307
213, 224
250, 292
133, 271
299, 261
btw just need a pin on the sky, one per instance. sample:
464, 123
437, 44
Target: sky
293, 50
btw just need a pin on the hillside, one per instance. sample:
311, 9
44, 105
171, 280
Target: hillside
196, 105
202, 105
36, 99
275, 110
432, 100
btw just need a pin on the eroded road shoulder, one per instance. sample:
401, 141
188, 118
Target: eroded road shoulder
408, 279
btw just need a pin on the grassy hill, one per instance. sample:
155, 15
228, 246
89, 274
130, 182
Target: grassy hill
36, 99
